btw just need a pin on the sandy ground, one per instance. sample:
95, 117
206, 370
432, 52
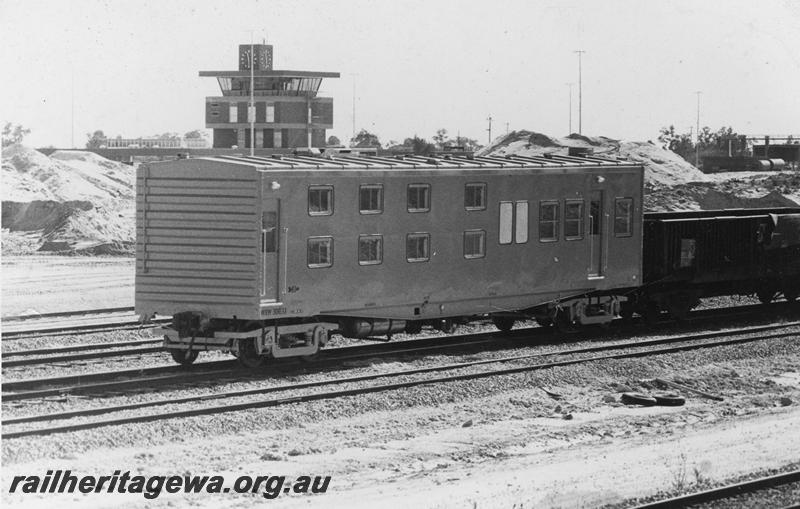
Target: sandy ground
455, 446
48, 284
507, 463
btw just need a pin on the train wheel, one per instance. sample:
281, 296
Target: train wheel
766, 295
414, 327
544, 321
564, 324
248, 357
184, 357
446, 325
626, 312
651, 312
503, 323
790, 295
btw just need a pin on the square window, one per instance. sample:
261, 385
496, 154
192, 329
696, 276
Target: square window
320, 200
320, 252
548, 221
475, 196
419, 197
623, 217
370, 249
370, 199
474, 244
573, 219
418, 247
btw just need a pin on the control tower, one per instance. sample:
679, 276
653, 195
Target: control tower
287, 111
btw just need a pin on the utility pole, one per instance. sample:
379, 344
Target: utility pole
580, 52
73, 106
697, 145
251, 106
251, 110
490, 130
506, 127
570, 107
354, 108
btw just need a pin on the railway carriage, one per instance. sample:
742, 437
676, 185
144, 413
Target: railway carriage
268, 256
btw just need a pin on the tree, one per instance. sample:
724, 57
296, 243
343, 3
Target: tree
96, 139
333, 141
441, 140
419, 146
469, 144
167, 136
197, 134
14, 134
709, 143
365, 139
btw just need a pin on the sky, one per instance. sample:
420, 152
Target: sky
130, 68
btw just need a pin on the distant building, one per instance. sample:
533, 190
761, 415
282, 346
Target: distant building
288, 113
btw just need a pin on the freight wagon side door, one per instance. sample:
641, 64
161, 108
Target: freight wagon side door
270, 247
596, 232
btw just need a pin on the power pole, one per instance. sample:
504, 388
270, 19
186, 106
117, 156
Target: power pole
697, 145
251, 110
580, 52
72, 105
354, 108
570, 107
506, 127
490, 130
251, 106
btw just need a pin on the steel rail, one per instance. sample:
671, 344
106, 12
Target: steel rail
61, 314
79, 348
82, 356
723, 492
328, 358
82, 328
347, 392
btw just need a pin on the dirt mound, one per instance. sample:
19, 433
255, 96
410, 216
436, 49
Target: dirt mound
73, 198
706, 196
671, 183
662, 167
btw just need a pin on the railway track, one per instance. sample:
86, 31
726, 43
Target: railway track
68, 314
79, 352
408, 378
144, 377
732, 495
68, 353
72, 322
